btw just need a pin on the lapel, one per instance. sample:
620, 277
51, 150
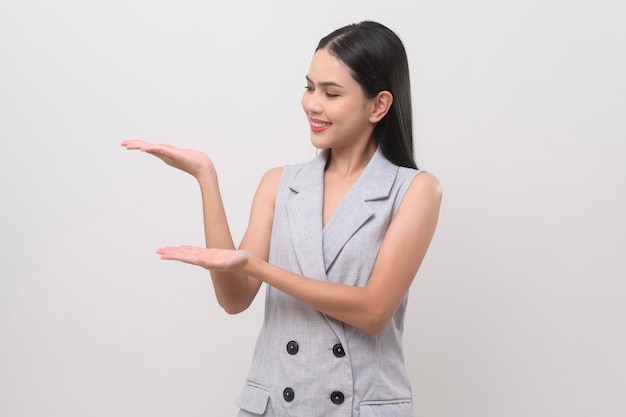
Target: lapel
316, 249
304, 210
353, 212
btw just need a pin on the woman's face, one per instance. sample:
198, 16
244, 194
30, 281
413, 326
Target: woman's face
337, 110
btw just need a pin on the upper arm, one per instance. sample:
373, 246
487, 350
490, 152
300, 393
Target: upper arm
256, 239
405, 244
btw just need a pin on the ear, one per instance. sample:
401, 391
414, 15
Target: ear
381, 105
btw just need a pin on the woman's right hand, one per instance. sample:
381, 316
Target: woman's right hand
190, 161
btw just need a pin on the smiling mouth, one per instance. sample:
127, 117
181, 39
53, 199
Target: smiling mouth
318, 124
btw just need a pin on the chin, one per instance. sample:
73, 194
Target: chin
319, 143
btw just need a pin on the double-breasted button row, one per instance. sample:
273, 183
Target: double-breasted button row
336, 397
293, 347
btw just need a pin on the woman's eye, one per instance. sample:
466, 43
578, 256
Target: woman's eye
310, 89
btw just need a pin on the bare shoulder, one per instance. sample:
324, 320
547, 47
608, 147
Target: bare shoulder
419, 208
272, 175
270, 180
268, 185
425, 186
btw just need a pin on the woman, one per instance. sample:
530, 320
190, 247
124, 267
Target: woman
337, 240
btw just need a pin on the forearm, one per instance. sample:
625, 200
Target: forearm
216, 230
352, 305
232, 289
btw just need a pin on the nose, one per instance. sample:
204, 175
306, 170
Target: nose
311, 102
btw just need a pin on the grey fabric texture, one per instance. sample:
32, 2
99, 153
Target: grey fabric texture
370, 375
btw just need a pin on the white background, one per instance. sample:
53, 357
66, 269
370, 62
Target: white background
520, 111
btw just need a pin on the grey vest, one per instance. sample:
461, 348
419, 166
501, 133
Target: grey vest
305, 363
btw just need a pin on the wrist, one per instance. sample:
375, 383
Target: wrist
206, 177
253, 266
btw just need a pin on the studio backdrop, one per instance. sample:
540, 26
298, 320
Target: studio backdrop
519, 110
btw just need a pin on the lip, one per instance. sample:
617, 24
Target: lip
318, 126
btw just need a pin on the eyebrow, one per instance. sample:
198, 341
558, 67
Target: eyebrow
325, 83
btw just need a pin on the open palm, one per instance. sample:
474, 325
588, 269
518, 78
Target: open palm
212, 259
188, 160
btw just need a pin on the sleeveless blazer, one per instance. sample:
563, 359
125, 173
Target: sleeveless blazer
305, 363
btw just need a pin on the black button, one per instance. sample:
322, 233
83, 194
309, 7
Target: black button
338, 351
337, 397
288, 394
292, 347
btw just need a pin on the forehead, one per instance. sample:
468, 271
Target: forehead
325, 67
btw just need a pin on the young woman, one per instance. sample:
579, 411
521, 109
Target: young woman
337, 240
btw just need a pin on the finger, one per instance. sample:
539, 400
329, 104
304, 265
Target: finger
169, 249
146, 146
160, 151
180, 251
175, 254
137, 144
192, 248
133, 142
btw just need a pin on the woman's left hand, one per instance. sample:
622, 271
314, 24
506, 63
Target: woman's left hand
211, 259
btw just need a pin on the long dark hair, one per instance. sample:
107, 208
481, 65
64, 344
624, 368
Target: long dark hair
378, 62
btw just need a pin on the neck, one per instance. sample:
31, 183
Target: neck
350, 161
